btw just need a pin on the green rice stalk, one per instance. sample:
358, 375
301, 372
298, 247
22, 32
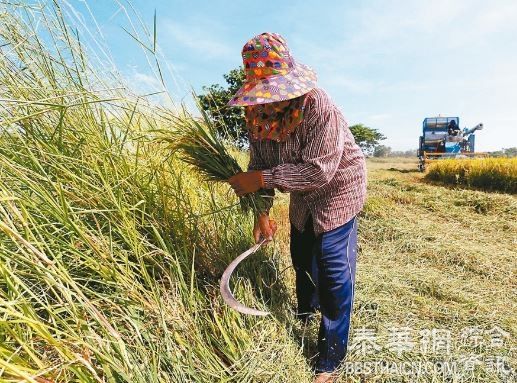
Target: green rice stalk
199, 144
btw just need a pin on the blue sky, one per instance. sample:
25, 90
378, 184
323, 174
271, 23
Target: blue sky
386, 63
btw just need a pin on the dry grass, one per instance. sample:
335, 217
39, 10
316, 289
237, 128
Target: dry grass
431, 257
497, 174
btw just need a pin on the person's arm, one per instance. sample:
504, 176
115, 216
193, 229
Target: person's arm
257, 163
264, 226
320, 157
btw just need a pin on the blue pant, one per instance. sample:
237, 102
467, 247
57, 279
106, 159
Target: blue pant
325, 276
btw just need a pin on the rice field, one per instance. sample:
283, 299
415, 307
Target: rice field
497, 174
111, 249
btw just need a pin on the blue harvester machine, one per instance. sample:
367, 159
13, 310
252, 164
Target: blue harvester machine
442, 138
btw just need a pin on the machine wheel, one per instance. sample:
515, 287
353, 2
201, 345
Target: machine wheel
421, 166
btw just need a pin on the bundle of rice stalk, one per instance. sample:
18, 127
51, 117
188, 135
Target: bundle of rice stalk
198, 143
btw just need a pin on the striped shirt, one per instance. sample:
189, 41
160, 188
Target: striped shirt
319, 164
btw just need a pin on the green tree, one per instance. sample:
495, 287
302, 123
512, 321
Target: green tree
403, 153
228, 120
510, 152
381, 151
367, 138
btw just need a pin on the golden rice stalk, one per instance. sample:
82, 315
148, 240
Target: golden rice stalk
498, 174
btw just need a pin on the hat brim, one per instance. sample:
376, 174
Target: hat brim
300, 80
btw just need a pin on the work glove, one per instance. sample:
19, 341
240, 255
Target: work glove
247, 182
265, 228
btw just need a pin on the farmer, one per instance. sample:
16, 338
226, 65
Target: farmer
452, 128
300, 143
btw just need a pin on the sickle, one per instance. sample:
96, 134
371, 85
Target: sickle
225, 284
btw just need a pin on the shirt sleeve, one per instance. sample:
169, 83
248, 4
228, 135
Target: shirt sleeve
320, 157
257, 163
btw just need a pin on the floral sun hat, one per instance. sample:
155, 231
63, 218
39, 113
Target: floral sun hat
271, 72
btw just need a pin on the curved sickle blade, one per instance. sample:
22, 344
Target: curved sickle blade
225, 285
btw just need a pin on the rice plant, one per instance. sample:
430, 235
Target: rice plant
108, 246
200, 145
498, 174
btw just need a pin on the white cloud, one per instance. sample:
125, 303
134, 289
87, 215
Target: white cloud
449, 22
356, 85
145, 82
379, 117
198, 37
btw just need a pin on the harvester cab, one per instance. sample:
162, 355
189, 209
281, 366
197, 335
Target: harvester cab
442, 138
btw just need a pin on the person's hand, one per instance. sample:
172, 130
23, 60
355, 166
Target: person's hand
247, 182
264, 228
